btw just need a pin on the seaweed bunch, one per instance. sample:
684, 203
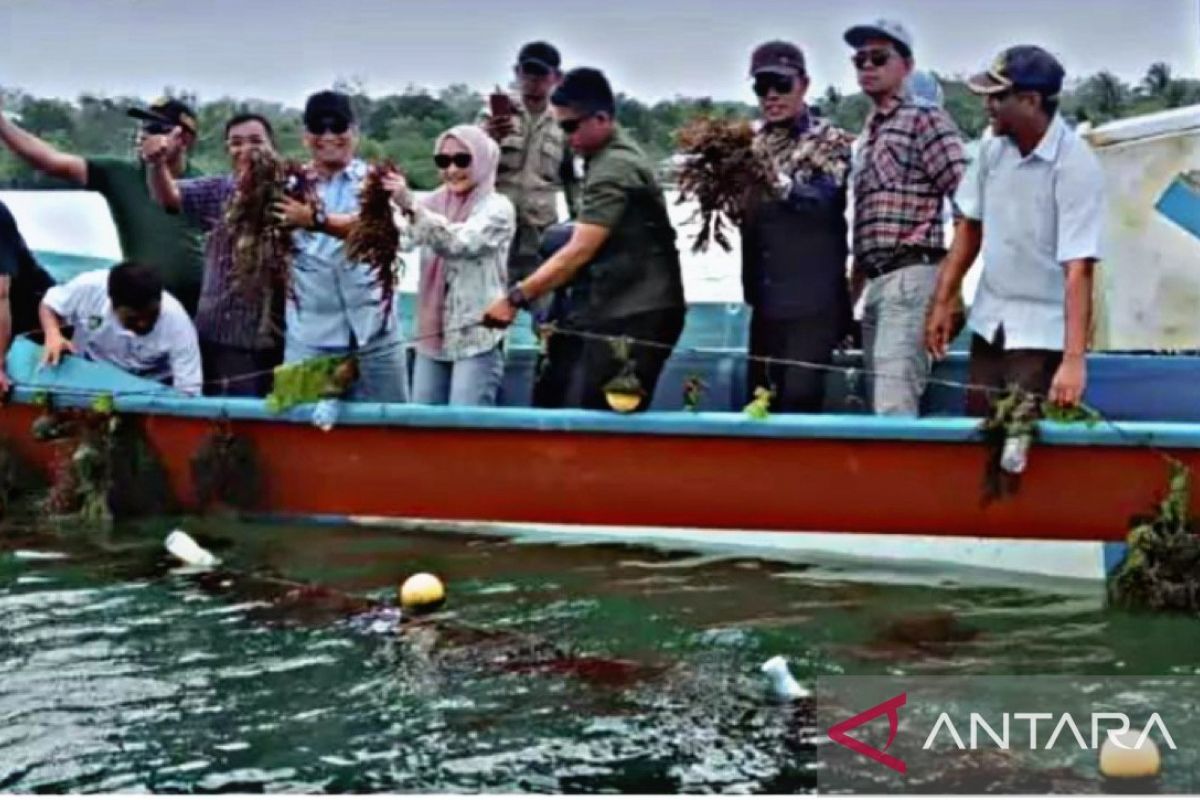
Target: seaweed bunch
225, 469
724, 173
1013, 417
262, 246
321, 378
374, 239
1161, 571
624, 391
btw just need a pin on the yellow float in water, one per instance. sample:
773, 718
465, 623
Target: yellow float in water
1129, 761
422, 593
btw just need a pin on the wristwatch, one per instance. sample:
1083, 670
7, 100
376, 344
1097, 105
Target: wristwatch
320, 218
516, 296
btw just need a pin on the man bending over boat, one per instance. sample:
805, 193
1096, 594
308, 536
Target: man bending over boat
1033, 202
22, 285
624, 238
122, 316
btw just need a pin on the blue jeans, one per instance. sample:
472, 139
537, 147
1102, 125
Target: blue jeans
381, 366
473, 381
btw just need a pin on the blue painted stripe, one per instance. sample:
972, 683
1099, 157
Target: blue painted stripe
1114, 557
1180, 203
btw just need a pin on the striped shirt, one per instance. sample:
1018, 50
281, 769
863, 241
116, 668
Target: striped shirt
225, 315
912, 159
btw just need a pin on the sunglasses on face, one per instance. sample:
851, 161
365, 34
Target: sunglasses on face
334, 125
460, 160
780, 84
876, 58
533, 70
569, 126
157, 128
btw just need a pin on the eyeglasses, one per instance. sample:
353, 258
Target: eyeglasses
876, 58
533, 70
780, 84
335, 125
460, 160
157, 128
569, 126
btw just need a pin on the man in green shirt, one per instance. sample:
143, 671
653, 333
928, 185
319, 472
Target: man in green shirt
623, 237
148, 234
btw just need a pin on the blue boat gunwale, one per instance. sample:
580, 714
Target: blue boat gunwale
711, 424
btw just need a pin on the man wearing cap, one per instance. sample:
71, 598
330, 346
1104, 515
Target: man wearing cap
910, 160
148, 235
623, 236
535, 164
1033, 202
794, 244
336, 307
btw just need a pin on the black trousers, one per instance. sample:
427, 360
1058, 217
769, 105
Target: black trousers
811, 339
559, 373
995, 367
600, 363
237, 371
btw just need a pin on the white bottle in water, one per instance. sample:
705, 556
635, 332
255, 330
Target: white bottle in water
1015, 455
185, 548
325, 415
783, 685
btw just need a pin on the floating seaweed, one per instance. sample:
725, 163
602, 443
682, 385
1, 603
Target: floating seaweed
262, 246
724, 173
374, 239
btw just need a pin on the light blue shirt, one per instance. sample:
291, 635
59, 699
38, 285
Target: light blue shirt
334, 298
1038, 212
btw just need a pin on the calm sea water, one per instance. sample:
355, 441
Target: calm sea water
551, 668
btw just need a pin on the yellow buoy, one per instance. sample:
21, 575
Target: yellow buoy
422, 593
623, 402
1129, 761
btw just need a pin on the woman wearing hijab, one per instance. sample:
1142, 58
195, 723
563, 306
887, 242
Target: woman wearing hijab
464, 228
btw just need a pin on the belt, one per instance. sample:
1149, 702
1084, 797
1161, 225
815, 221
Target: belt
906, 258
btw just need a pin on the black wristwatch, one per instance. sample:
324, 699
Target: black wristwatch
516, 296
320, 218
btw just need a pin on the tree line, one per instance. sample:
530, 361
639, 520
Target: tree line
403, 126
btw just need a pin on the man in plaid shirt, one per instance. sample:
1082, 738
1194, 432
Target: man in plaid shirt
910, 160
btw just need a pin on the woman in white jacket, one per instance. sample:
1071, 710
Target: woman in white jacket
465, 229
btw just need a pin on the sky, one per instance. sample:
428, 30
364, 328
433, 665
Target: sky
651, 49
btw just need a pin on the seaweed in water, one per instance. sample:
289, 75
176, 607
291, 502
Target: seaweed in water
724, 173
375, 240
1162, 569
262, 246
225, 470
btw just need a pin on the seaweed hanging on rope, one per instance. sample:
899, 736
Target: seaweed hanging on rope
225, 470
374, 239
1161, 571
724, 173
104, 467
263, 249
320, 378
624, 392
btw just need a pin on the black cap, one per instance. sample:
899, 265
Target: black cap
781, 57
540, 56
166, 111
1025, 67
587, 89
327, 106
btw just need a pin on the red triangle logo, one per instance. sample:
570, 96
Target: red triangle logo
838, 732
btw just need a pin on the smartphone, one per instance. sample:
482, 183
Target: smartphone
500, 104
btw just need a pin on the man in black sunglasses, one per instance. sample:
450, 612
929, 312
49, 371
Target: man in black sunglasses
794, 244
623, 237
147, 233
909, 160
535, 166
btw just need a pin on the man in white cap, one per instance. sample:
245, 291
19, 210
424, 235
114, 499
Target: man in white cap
911, 160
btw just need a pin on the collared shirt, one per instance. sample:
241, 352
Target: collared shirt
1038, 212
911, 159
535, 164
474, 255
169, 352
334, 302
226, 315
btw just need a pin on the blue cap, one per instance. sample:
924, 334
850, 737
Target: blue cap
1025, 67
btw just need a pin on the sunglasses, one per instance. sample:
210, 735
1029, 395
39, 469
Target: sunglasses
460, 160
876, 58
780, 84
533, 70
157, 128
335, 125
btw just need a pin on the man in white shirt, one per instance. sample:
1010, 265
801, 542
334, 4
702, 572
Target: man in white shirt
1033, 201
122, 316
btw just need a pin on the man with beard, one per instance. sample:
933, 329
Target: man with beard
794, 244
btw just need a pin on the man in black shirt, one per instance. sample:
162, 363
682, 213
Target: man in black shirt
22, 284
